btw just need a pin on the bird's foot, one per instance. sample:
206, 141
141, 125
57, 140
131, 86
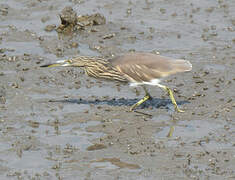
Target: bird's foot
145, 98
178, 110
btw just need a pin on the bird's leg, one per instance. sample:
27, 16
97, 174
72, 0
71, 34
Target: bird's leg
146, 92
170, 133
145, 98
170, 93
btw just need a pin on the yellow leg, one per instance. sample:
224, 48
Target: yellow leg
170, 133
145, 98
170, 93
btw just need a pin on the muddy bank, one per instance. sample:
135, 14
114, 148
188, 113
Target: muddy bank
60, 124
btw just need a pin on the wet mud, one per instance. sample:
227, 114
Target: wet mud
57, 123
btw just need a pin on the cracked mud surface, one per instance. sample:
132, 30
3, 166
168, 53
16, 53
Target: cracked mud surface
57, 123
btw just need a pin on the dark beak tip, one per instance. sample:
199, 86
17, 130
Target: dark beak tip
45, 65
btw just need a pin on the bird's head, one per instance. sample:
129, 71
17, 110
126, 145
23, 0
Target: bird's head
75, 62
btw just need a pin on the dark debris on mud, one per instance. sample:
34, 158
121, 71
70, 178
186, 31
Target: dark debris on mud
71, 22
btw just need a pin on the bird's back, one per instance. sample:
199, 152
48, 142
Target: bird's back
144, 67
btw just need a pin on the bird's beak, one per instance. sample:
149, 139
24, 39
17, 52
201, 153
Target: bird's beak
58, 63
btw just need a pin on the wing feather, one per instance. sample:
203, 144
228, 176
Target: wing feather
142, 67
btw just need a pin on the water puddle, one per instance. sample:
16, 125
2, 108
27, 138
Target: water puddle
31, 160
190, 129
74, 134
193, 131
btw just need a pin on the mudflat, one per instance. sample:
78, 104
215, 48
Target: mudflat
57, 123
